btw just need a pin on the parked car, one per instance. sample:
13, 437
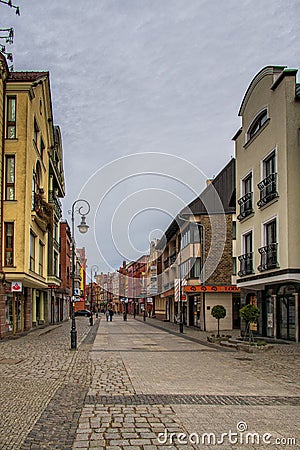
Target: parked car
83, 312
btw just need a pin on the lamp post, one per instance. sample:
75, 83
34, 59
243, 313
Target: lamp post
202, 272
83, 228
95, 268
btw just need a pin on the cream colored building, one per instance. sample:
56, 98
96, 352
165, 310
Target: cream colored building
33, 182
268, 187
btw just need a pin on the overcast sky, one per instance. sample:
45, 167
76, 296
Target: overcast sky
162, 78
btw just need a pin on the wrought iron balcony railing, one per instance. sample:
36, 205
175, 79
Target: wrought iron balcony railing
246, 206
268, 256
268, 189
56, 202
246, 264
173, 258
166, 263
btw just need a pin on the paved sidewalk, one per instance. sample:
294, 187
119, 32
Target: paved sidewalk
42, 385
148, 384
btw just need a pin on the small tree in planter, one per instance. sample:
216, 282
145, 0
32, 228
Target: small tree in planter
218, 312
249, 314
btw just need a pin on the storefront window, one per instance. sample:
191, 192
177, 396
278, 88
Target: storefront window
9, 314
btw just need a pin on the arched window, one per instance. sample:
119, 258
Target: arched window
257, 124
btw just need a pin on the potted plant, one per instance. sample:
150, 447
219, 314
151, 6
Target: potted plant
250, 315
218, 312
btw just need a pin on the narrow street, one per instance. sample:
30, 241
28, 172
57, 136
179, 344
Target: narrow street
131, 385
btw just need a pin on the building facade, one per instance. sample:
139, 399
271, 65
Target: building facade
197, 259
268, 185
33, 182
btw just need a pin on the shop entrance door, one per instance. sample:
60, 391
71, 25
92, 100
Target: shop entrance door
286, 317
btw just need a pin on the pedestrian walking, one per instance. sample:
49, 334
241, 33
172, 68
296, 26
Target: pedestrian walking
107, 315
111, 313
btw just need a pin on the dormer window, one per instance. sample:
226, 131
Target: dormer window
257, 124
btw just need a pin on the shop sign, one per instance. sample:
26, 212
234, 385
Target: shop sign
16, 286
212, 288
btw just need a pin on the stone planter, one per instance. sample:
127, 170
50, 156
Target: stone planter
217, 340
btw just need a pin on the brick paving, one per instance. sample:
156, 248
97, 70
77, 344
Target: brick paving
133, 386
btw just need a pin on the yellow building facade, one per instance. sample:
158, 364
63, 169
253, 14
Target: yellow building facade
33, 181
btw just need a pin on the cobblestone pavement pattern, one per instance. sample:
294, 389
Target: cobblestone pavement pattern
141, 387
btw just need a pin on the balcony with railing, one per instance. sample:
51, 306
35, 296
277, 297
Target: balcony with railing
53, 199
42, 212
246, 264
173, 258
268, 190
246, 206
166, 263
268, 255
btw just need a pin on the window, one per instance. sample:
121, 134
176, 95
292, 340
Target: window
270, 164
196, 268
55, 263
55, 231
32, 252
36, 132
246, 260
195, 233
245, 202
269, 251
186, 238
42, 148
185, 269
9, 177
234, 270
41, 258
9, 244
234, 230
11, 118
257, 124
270, 232
268, 186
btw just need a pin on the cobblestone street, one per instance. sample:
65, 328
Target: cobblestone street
131, 385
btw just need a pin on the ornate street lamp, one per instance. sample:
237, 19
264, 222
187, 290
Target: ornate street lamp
83, 228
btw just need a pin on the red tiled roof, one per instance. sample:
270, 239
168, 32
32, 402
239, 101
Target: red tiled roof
26, 76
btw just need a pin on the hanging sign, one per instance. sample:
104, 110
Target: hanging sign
16, 286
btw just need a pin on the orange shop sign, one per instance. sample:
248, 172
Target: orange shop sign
231, 288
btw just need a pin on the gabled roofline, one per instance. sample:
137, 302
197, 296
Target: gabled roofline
284, 73
276, 71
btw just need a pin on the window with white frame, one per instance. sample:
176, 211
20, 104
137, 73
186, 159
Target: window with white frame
268, 253
9, 177
246, 201
11, 128
268, 185
257, 124
246, 259
32, 252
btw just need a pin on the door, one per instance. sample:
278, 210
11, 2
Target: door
236, 306
286, 318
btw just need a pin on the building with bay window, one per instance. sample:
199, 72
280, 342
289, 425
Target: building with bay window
268, 185
33, 183
197, 259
